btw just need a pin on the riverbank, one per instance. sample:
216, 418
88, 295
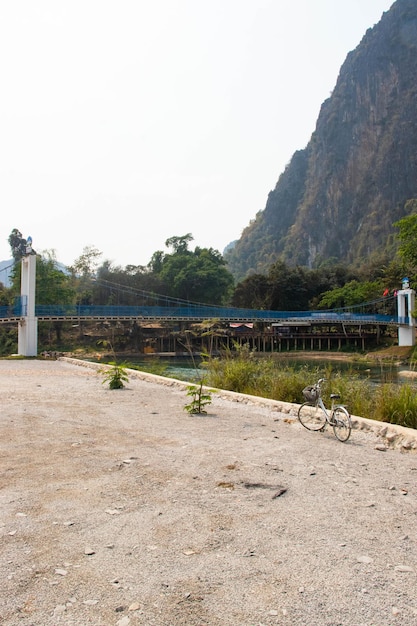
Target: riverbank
399, 354
119, 508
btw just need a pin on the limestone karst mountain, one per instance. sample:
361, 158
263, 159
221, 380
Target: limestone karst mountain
339, 196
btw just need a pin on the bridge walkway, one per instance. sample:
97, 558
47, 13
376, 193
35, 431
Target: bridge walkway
197, 313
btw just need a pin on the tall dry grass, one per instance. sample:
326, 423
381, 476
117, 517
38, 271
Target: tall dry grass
244, 372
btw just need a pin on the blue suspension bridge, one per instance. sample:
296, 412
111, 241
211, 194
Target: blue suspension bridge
395, 310
160, 308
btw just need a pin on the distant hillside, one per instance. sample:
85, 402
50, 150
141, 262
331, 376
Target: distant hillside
5, 270
7, 266
338, 197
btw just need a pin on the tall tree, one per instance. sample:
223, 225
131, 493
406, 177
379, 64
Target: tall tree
17, 244
253, 292
83, 271
179, 244
199, 275
86, 264
53, 286
289, 288
352, 293
407, 236
115, 285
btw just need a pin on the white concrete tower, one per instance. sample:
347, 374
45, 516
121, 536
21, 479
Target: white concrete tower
406, 300
28, 326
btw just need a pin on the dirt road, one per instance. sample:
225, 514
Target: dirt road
118, 508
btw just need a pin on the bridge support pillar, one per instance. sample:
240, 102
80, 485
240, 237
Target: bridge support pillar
406, 306
28, 326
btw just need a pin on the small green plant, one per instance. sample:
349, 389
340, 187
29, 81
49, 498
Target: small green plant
200, 399
116, 376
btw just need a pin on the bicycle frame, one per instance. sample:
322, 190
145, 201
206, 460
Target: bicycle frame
328, 412
325, 410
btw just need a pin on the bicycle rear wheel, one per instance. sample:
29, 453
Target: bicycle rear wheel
312, 416
342, 424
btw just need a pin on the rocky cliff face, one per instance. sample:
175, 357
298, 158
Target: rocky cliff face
338, 198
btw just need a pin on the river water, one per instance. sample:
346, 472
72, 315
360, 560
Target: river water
378, 373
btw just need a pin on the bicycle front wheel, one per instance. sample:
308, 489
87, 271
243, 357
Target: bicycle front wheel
312, 416
342, 424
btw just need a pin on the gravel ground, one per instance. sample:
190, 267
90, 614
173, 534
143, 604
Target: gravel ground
118, 508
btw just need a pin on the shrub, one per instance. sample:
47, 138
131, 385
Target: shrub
115, 376
396, 405
200, 399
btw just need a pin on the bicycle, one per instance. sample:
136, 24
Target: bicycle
313, 414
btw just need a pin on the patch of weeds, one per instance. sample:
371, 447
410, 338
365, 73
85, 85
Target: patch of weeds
115, 376
199, 399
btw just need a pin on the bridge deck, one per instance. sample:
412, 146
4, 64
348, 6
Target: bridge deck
197, 314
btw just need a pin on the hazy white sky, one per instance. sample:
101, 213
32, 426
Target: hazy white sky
126, 122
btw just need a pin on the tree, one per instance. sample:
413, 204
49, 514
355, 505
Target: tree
179, 244
17, 244
52, 285
155, 264
199, 276
86, 264
115, 285
254, 292
408, 237
350, 294
289, 288
83, 271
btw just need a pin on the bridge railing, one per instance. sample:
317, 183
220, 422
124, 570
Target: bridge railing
205, 312
195, 312
12, 310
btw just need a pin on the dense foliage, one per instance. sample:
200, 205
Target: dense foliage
52, 285
408, 239
287, 288
199, 276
